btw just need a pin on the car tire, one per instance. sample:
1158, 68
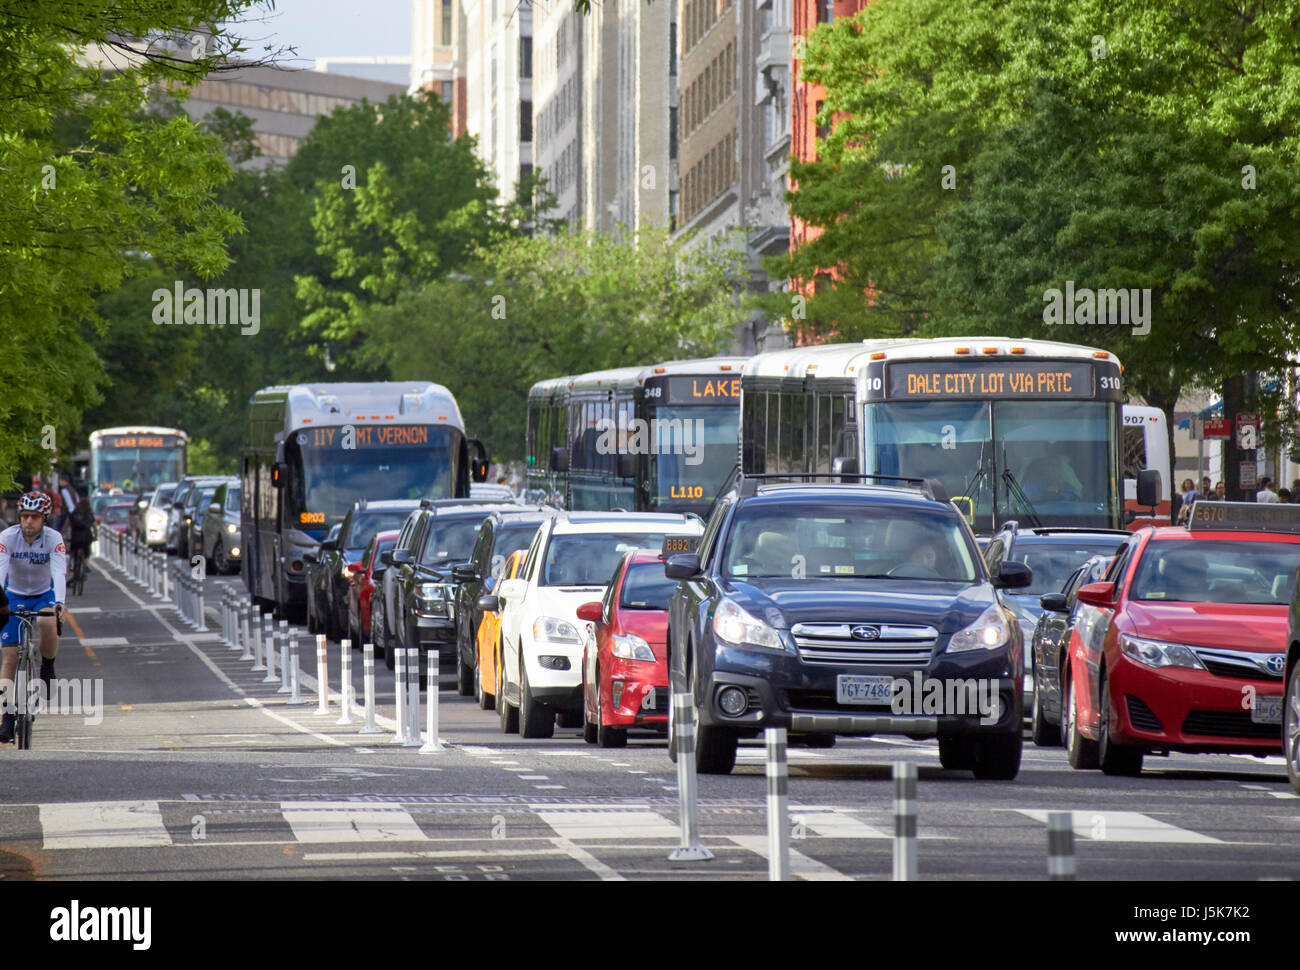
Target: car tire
486, 701
536, 720
508, 712
819, 740
997, 756
1044, 735
1079, 751
715, 747
1291, 726
606, 737
464, 676
1114, 759
955, 754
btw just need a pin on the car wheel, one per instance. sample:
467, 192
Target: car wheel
1080, 751
1291, 727
485, 700
536, 720
997, 757
819, 740
1114, 759
464, 676
955, 754
606, 737
1044, 733
509, 713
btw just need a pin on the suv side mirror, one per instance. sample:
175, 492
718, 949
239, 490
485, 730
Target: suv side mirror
1013, 575
214, 507
386, 558
463, 572
400, 557
683, 565
844, 465
512, 589
1097, 594
1053, 602
489, 604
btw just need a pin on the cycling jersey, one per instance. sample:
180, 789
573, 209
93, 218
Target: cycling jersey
30, 569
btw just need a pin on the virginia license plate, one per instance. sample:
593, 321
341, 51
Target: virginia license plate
1266, 710
863, 689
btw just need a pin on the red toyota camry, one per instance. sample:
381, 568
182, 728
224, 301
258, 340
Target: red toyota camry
1181, 647
361, 583
625, 665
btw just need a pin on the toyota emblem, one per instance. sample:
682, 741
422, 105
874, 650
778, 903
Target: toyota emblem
1275, 663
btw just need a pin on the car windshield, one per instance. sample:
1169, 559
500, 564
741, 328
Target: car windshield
590, 558
116, 514
509, 541
1053, 562
450, 540
385, 545
1217, 571
801, 540
203, 501
163, 495
646, 588
233, 497
367, 525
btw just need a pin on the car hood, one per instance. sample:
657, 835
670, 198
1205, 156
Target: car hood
563, 601
650, 625
946, 606
1259, 626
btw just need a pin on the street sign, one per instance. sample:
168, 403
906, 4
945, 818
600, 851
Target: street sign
1217, 428
1247, 430
1246, 472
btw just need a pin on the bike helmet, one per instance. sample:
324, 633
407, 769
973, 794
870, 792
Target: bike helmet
35, 502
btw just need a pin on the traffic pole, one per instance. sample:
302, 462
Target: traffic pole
295, 695
285, 688
200, 615
683, 740
413, 738
245, 608
368, 681
1060, 846
345, 683
904, 821
322, 676
271, 677
399, 670
778, 788
431, 744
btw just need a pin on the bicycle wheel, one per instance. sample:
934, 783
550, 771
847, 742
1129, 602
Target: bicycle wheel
23, 715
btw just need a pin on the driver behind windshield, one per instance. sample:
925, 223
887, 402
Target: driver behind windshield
1052, 478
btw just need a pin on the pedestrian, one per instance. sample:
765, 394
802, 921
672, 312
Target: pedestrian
1189, 491
1265, 494
8, 511
1206, 491
1220, 491
68, 497
1284, 495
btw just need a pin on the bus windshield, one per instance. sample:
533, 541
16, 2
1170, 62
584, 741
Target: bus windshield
1039, 462
136, 469
698, 447
325, 481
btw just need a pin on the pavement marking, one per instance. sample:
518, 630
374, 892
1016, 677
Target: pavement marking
1124, 827
84, 609
103, 642
505, 762
584, 825
1284, 794
801, 866
532, 777
430, 854
102, 825
837, 825
350, 822
593, 864
76, 627
549, 786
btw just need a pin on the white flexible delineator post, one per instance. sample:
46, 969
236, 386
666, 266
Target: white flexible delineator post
368, 682
322, 676
431, 744
345, 683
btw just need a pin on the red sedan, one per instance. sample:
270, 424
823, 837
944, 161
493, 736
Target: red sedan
625, 665
117, 516
1181, 648
361, 583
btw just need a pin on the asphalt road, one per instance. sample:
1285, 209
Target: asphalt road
200, 770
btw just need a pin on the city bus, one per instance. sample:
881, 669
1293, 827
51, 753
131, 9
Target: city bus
658, 438
315, 449
135, 458
1013, 429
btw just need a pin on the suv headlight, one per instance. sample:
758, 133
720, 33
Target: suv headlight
431, 598
632, 647
735, 626
552, 629
989, 632
1155, 653
231, 528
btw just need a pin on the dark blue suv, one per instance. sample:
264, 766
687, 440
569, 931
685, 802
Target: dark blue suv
847, 609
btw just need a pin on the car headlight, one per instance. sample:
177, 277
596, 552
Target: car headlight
632, 647
554, 630
735, 626
344, 574
1155, 653
989, 632
432, 598
231, 528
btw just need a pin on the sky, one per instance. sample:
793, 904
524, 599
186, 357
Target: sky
333, 28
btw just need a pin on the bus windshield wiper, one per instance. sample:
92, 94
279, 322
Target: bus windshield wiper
1016, 492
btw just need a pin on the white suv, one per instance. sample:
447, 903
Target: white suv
571, 560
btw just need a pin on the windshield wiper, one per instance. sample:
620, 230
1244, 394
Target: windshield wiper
1017, 493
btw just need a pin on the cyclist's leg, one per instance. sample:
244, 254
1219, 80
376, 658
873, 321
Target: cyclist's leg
10, 637
49, 638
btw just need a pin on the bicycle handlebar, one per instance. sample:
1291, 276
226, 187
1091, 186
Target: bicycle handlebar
29, 614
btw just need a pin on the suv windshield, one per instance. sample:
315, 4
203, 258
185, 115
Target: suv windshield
1053, 562
799, 540
1223, 571
590, 558
366, 525
450, 540
646, 588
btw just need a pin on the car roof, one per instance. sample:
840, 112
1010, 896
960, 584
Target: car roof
595, 523
779, 493
380, 505
459, 510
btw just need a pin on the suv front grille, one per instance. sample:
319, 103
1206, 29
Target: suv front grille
1245, 664
895, 644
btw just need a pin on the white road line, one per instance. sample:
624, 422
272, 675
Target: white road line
430, 854
549, 786
836, 825
1284, 794
348, 822
82, 610
593, 864
532, 777
102, 825
505, 762
800, 865
1125, 827
104, 642
600, 824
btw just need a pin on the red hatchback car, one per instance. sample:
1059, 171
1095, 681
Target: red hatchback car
361, 583
1181, 647
625, 665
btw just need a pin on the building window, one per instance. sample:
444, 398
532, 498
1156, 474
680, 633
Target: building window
447, 92
672, 49
525, 58
825, 11
525, 121
672, 133
446, 23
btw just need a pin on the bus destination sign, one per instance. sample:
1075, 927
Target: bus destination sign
139, 441
720, 389
1001, 379
350, 436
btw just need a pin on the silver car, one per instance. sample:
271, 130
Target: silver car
221, 541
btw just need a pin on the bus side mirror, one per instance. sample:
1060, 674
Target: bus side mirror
279, 473
1148, 488
559, 460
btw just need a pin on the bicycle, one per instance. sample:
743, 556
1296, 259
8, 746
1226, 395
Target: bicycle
77, 576
28, 672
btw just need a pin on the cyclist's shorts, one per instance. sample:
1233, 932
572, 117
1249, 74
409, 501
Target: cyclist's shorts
13, 631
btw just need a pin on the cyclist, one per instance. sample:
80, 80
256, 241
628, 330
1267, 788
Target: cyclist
33, 573
81, 533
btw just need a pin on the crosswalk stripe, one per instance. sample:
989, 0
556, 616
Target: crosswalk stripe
102, 825
103, 641
801, 866
836, 825
583, 825
348, 822
1124, 827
